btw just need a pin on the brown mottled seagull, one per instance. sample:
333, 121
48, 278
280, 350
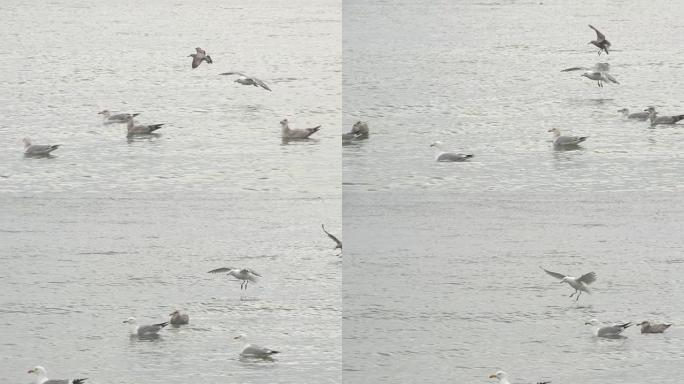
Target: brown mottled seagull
199, 57
600, 41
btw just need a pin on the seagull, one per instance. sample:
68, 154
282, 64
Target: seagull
610, 331
656, 120
565, 141
301, 133
598, 72
244, 274
600, 41
178, 318
247, 80
335, 239
108, 118
648, 327
360, 128
581, 284
199, 57
251, 350
141, 129
636, 115
448, 156
144, 330
36, 149
41, 377
503, 378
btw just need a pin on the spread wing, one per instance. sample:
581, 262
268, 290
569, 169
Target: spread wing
220, 270
202, 52
335, 239
261, 84
587, 278
599, 36
196, 60
610, 78
559, 276
575, 69
233, 73
253, 272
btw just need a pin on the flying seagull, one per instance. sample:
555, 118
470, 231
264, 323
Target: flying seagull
601, 43
178, 318
442, 155
610, 331
41, 377
244, 274
300, 133
144, 330
335, 239
251, 350
199, 57
581, 284
656, 120
503, 378
649, 327
599, 73
247, 80
642, 116
141, 129
37, 149
108, 118
560, 141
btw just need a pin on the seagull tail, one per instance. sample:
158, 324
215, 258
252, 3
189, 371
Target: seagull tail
581, 139
273, 352
677, 118
79, 381
154, 127
468, 156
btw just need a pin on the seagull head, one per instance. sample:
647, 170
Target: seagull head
649, 109
130, 320
645, 322
241, 336
103, 112
565, 280
176, 312
37, 370
592, 322
283, 122
27, 142
554, 130
625, 110
437, 144
498, 375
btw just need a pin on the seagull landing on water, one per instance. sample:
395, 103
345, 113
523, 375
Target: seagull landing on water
144, 330
642, 116
442, 155
581, 284
244, 274
247, 80
338, 243
503, 378
251, 350
37, 150
301, 133
612, 331
656, 120
199, 57
560, 141
601, 43
41, 377
649, 327
599, 73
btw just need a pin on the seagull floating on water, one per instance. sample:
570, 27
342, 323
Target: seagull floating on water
37, 149
442, 155
178, 318
244, 274
649, 327
338, 243
642, 116
141, 129
581, 284
665, 120
247, 80
565, 141
144, 330
599, 73
108, 118
199, 57
612, 331
251, 350
301, 133
601, 43
359, 131
41, 377
503, 378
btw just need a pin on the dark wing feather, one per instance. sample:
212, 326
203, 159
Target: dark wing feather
219, 270
335, 239
599, 36
554, 274
587, 278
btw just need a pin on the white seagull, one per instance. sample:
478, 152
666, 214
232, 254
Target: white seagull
301, 133
503, 378
581, 284
642, 116
251, 350
108, 118
612, 331
599, 73
144, 330
247, 80
565, 141
41, 377
244, 274
442, 155
38, 149
141, 129
656, 120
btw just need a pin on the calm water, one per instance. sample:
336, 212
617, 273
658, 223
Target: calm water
111, 228
442, 282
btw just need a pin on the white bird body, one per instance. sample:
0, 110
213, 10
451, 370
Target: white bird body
245, 274
580, 284
635, 116
38, 149
144, 330
247, 80
565, 141
445, 156
607, 331
302, 133
41, 377
251, 350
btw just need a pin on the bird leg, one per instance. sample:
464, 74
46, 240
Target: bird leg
246, 281
599, 51
577, 298
241, 285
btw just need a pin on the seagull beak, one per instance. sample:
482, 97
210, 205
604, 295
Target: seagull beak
30, 371
492, 376
587, 323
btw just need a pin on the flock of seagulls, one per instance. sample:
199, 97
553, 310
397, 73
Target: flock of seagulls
599, 73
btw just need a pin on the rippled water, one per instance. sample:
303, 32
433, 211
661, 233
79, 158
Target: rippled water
442, 282
111, 228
